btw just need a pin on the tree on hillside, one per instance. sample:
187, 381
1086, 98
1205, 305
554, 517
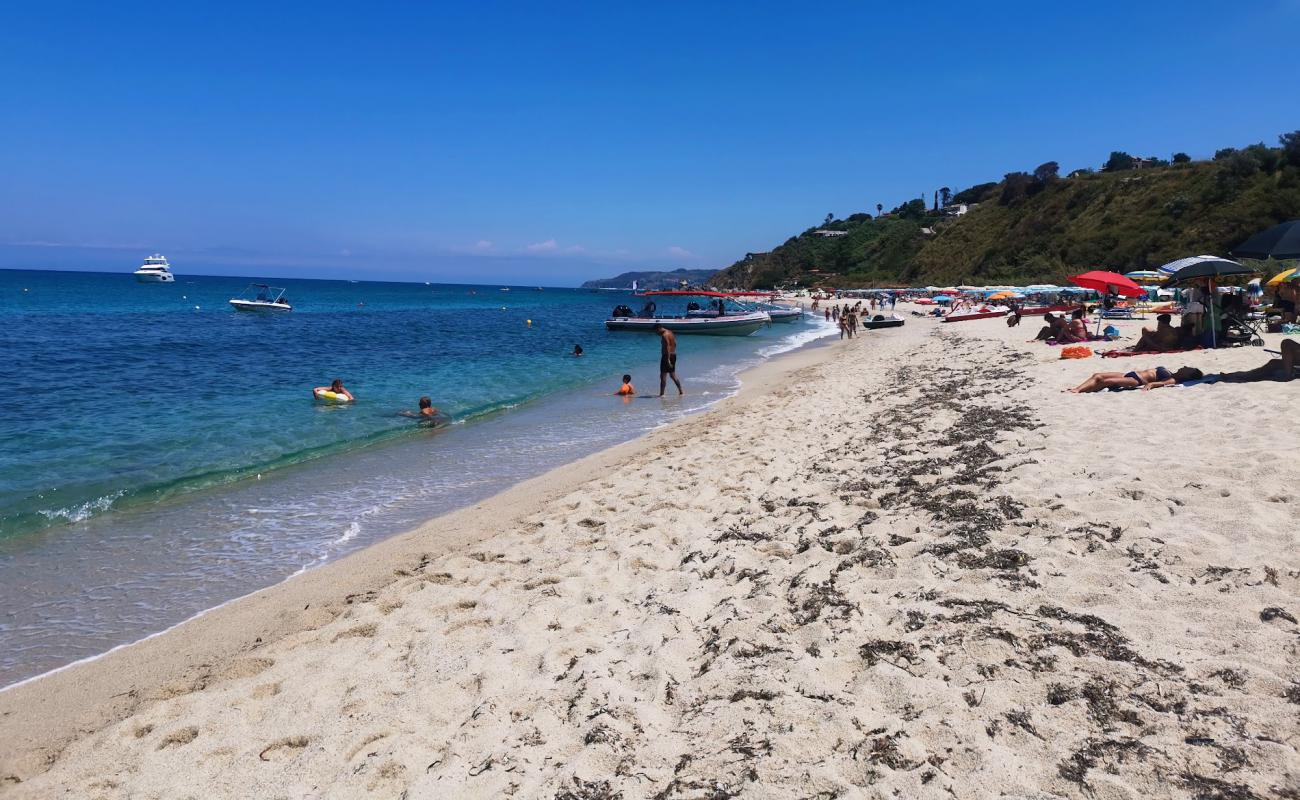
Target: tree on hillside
945, 194
912, 209
936, 199
1119, 161
829, 219
1046, 173
1016, 186
1290, 147
1224, 153
880, 207
977, 193
1265, 157
1181, 158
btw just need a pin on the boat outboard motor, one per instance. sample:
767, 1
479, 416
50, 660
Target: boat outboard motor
648, 310
622, 311
692, 306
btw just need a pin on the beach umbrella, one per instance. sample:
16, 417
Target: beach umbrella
1284, 276
1145, 276
1280, 242
1215, 269
1212, 270
1107, 283
1194, 267
1102, 281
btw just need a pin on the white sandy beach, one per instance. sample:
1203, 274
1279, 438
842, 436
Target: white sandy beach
904, 565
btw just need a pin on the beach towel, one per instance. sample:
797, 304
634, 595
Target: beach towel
1054, 342
1126, 353
1078, 351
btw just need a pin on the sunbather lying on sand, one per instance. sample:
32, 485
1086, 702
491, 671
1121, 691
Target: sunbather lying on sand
1277, 369
1139, 379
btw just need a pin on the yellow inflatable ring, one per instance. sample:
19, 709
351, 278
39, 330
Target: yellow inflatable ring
323, 393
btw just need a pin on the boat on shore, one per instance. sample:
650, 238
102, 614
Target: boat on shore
983, 312
260, 297
882, 321
714, 320
155, 269
766, 301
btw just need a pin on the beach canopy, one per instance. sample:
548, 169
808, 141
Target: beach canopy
1285, 276
1042, 287
1005, 295
1280, 242
1197, 267
1102, 281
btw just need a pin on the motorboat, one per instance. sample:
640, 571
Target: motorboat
1038, 311
715, 320
260, 297
155, 269
881, 321
776, 311
981, 312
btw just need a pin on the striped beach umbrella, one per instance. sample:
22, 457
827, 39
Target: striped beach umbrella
1145, 276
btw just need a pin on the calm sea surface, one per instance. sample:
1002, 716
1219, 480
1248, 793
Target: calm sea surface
160, 453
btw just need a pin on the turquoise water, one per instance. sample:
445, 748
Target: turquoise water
161, 453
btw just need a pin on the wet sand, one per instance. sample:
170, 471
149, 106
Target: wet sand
904, 565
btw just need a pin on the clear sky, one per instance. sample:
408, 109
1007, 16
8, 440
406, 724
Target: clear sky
553, 142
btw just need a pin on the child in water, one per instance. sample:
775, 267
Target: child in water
627, 389
427, 412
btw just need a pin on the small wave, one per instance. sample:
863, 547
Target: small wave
81, 511
820, 330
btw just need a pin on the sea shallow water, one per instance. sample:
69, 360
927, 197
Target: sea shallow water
161, 453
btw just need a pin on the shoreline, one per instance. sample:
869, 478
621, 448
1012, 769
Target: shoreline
367, 569
909, 566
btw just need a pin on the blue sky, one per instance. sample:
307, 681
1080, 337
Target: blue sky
550, 143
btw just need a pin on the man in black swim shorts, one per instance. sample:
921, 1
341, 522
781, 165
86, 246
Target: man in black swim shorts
667, 359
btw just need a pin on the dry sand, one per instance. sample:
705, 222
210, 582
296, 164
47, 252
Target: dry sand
904, 565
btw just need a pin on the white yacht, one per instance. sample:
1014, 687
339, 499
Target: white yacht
155, 269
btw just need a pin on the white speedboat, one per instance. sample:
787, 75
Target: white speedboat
695, 321
766, 301
155, 269
260, 297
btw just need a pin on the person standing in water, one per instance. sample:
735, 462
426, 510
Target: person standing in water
667, 359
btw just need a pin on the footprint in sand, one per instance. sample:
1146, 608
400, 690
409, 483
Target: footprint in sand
282, 749
179, 738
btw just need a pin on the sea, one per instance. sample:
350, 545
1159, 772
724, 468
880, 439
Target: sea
161, 453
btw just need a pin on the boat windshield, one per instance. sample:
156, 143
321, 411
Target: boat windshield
261, 293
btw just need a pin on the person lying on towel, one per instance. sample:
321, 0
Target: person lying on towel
1277, 369
1138, 379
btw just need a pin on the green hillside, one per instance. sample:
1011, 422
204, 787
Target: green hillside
1040, 227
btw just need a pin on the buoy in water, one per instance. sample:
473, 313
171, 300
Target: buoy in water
530, 323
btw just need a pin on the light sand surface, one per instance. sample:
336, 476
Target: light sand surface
905, 565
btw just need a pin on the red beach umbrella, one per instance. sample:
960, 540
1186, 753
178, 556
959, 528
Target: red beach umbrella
1104, 282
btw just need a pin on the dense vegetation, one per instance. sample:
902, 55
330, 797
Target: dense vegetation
1040, 227
652, 280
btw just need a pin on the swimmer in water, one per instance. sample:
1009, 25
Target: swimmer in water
337, 388
577, 350
627, 389
427, 412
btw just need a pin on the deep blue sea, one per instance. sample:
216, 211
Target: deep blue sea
160, 453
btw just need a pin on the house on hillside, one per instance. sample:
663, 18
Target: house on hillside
828, 234
957, 209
